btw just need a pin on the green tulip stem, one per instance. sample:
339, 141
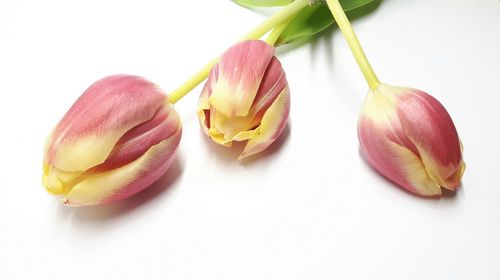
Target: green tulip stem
353, 42
273, 21
275, 34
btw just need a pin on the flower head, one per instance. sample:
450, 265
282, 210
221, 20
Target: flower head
409, 137
246, 98
117, 139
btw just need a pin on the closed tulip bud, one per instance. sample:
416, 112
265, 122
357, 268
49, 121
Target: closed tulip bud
246, 98
409, 137
117, 139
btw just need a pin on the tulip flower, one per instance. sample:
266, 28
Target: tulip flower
410, 138
405, 134
246, 98
117, 139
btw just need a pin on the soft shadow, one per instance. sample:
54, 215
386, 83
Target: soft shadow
453, 194
227, 154
231, 154
446, 194
314, 41
120, 208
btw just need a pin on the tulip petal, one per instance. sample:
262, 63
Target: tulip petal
429, 126
231, 126
122, 182
204, 108
99, 118
272, 125
58, 182
273, 83
139, 139
415, 172
218, 137
394, 161
241, 69
131, 146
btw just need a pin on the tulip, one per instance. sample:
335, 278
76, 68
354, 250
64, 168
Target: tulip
405, 134
246, 98
409, 137
117, 139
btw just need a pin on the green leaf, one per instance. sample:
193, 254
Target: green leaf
263, 3
313, 20
308, 22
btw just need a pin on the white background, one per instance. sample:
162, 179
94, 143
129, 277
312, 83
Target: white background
310, 207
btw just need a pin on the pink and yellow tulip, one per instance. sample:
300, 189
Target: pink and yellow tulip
405, 134
409, 137
246, 98
117, 139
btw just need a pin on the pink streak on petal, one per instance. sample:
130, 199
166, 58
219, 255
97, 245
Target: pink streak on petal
114, 102
266, 138
429, 125
245, 63
151, 173
273, 83
376, 150
395, 133
242, 68
139, 139
213, 77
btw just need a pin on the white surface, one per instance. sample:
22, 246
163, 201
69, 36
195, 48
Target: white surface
310, 208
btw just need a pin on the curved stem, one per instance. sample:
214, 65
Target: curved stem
352, 40
190, 84
256, 33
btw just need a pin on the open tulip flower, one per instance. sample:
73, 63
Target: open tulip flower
117, 139
405, 134
246, 98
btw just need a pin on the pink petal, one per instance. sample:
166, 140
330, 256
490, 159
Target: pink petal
127, 180
273, 83
241, 69
139, 139
273, 123
429, 126
99, 118
204, 107
393, 160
